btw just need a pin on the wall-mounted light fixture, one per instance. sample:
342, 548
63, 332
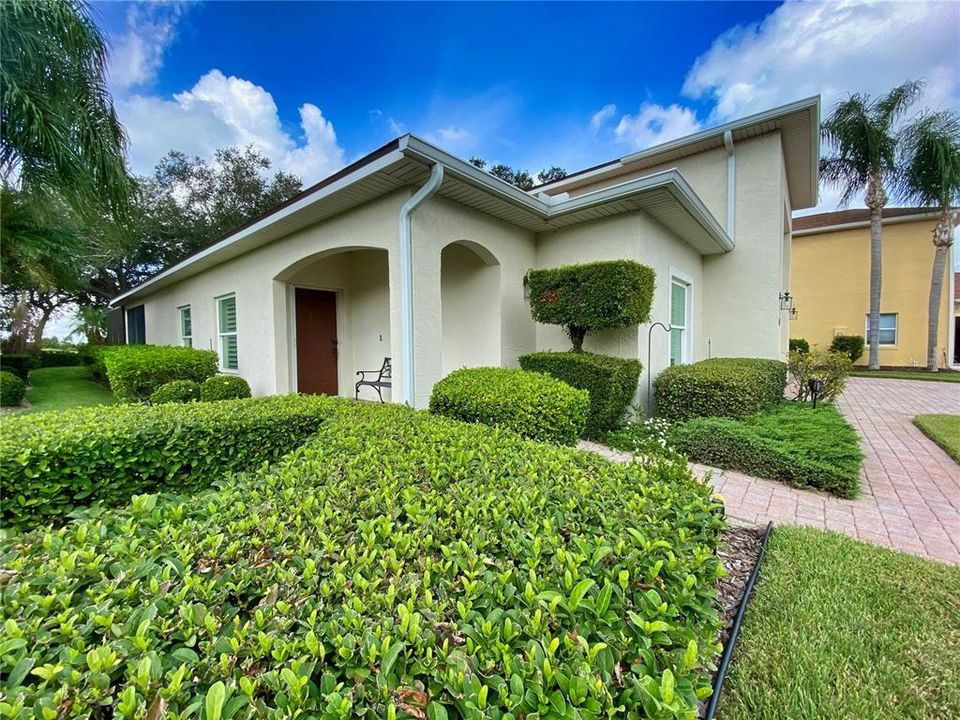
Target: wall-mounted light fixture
793, 313
526, 284
786, 300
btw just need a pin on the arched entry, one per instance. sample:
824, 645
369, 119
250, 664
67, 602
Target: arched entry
338, 306
470, 306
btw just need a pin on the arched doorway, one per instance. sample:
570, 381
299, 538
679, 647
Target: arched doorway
470, 306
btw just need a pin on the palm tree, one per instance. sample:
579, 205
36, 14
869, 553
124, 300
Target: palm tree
930, 175
860, 131
59, 133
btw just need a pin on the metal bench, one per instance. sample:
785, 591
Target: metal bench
383, 379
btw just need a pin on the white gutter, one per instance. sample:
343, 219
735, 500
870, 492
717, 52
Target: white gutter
406, 281
731, 180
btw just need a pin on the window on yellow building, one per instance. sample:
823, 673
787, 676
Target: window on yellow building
888, 328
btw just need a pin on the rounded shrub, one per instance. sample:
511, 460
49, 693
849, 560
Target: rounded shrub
532, 404
721, 387
12, 389
135, 371
799, 345
177, 391
224, 387
850, 345
611, 382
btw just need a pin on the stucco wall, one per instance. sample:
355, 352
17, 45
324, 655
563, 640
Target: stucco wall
469, 312
639, 237
831, 282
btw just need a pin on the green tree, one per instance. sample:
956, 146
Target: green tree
59, 133
860, 131
551, 174
929, 175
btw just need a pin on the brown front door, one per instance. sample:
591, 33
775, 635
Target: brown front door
316, 341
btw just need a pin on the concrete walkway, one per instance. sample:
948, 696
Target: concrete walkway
909, 488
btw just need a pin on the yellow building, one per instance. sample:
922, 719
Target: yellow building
830, 284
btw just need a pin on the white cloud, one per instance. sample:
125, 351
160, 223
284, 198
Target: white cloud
601, 116
654, 124
832, 49
220, 111
452, 134
137, 55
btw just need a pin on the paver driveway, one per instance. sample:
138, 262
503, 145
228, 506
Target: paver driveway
909, 488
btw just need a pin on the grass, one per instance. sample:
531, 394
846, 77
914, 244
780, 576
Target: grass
792, 443
942, 376
59, 388
844, 630
944, 430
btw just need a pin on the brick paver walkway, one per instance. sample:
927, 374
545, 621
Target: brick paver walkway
909, 489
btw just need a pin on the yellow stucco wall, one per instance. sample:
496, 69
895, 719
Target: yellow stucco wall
830, 282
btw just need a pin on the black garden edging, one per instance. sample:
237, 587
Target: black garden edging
735, 628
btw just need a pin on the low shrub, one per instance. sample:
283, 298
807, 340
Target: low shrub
833, 368
136, 371
20, 364
60, 358
611, 382
54, 463
224, 387
793, 443
721, 387
648, 437
400, 565
592, 296
534, 405
799, 345
176, 391
12, 389
850, 345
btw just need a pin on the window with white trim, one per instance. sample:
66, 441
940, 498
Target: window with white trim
186, 326
679, 322
888, 329
227, 332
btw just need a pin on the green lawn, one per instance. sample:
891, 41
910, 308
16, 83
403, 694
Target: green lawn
844, 630
942, 376
944, 430
59, 388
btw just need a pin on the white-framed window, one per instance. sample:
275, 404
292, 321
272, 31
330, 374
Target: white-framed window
227, 332
888, 329
679, 321
186, 326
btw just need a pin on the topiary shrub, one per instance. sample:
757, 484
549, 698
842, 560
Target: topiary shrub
592, 296
611, 382
799, 345
534, 405
55, 462
730, 387
224, 387
12, 389
850, 345
396, 551
794, 443
20, 364
176, 391
59, 358
136, 371
833, 368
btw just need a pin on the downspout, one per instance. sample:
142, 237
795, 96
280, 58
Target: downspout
731, 181
406, 281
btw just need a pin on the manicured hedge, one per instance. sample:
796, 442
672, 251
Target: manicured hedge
60, 358
176, 391
20, 364
224, 387
729, 387
56, 462
136, 371
399, 566
850, 345
794, 443
12, 389
592, 296
535, 405
799, 345
611, 382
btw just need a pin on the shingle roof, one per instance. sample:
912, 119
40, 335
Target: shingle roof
845, 217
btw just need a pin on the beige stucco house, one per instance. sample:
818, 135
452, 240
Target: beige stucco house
417, 255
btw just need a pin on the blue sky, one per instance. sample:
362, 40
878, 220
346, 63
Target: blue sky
316, 85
